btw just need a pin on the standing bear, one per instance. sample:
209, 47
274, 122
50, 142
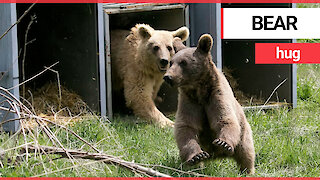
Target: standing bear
209, 120
139, 62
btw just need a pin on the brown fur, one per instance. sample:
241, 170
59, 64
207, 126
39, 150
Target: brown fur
209, 120
137, 69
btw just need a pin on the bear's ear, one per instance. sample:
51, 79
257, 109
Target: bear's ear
178, 45
182, 33
144, 31
205, 43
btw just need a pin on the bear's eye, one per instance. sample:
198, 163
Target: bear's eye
183, 63
169, 48
171, 63
156, 48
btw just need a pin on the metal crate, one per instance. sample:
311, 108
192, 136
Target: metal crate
72, 34
9, 74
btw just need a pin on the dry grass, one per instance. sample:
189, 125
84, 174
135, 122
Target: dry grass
57, 104
47, 100
243, 99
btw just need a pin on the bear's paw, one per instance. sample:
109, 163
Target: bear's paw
198, 158
224, 145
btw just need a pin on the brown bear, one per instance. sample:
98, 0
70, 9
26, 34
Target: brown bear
209, 120
139, 61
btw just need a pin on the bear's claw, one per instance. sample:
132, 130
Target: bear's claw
224, 145
198, 157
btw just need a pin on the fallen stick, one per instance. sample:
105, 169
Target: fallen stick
95, 156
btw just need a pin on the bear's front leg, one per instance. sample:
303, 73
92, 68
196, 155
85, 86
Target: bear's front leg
228, 133
226, 127
189, 149
138, 95
157, 99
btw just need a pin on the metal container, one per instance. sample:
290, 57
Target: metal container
71, 34
9, 74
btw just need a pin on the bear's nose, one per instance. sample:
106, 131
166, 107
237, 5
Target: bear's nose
168, 79
164, 62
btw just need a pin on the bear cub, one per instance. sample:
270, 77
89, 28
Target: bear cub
209, 121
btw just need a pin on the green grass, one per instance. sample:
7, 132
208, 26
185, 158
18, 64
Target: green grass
287, 143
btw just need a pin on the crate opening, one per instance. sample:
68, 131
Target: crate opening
161, 19
64, 33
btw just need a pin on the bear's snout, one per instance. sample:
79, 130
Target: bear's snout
164, 62
168, 79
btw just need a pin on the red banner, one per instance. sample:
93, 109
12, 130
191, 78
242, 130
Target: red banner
287, 53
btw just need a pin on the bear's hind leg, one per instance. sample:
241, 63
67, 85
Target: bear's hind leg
245, 156
189, 148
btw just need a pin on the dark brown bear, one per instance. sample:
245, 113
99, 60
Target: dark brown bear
209, 120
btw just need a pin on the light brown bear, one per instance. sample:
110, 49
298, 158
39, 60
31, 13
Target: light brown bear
209, 120
139, 61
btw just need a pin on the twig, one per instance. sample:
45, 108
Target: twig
271, 106
7, 113
274, 90
9, 120
97, 156
59, 85
72, 132
25, 114
25, 53
50, 134
174, 169
18, 21
33, 76
22, 127
18, 147
71, 167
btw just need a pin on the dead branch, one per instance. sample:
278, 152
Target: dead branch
33, 18
97, 157
18, 21
274, 90
59, 85
34, 76
24, 114
176, 170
